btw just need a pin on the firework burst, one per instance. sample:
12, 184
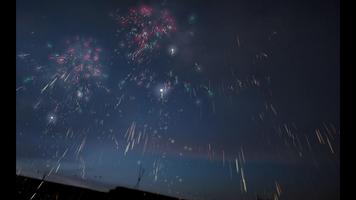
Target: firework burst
144, 28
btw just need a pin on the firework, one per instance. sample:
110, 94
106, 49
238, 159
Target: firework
144, 28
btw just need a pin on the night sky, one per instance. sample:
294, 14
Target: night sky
212, 99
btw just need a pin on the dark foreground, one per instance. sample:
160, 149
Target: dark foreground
34, 189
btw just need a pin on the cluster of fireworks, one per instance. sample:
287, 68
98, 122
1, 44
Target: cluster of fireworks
77, 74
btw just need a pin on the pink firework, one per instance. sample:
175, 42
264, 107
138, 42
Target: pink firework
144, 27
79, 62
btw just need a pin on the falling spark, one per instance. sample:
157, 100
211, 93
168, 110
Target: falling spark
331, 148
23, 55
156, 166
50, 85
116, 143
40, 185
67, 133
44, 88
238, 41
320, 138
132, 144
243, 155
64, 153
278, 188
33, 196
83, 168
127, 148
49, 173
144, 146
139, 137
80, 148
66, 77
243, 180
328, 131
19, 88
58, 167
119, 101
237, 165
19, 171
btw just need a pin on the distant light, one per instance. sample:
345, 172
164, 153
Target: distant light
79, 94
172, 50
163, 91
51, 118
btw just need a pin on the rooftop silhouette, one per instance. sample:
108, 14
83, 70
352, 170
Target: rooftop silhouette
31, 188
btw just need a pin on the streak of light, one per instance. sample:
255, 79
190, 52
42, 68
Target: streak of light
33, 196
139, 137
44, 88
237, 165
156, 168
243, 179
64, 153
18, 172
80, 148
319, 136
116, 143
23, 55
288, 131
67, 133
127, 148
278, 188
119, 101
62, 76
58, 167
331, 148
132, 144
36, 105
144, 146
83, 168
243, 155
53, 82
238, 41
49, 173
67, 77
38, 187
19, 88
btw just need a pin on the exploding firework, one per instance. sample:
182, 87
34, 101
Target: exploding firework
77, 69
69, 81
79, 65
144, 28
